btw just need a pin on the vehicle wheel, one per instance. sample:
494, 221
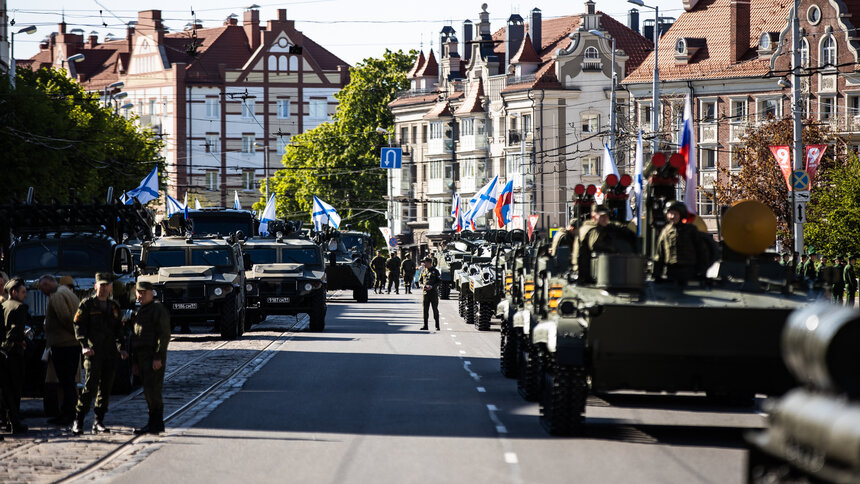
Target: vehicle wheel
252, 317
461, 299
228, 323
562, 404
470, 310
485, 314
317, 312
243, 321
360, 294
445, 290
51, 399
508, 352
123, 381
528, 371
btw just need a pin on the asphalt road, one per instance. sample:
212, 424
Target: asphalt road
374, 399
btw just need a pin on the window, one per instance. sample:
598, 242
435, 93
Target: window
739, 111
283, 108
424, 131
705, 204
828, 51
853, 105
283, 141
527, 123
645, 115
590, 164
709, 111
708, 158
768, 108
318, 109
211, 180
404, 135
414, 134
212, 142
512, 165
590, 123
212, 107
436, 170
804, 52
826, 111
248, 108
152, 107
472, 168
436, 130
248, 143
591, 53
164, 107
248, 180
467, 127
734, 160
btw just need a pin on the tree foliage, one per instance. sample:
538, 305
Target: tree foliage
55, 136
338, 161
760, 177
834, 209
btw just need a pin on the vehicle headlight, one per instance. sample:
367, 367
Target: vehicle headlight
249, 287
218, 291
308, 286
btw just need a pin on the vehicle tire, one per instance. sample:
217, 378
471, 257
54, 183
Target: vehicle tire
252, 317
528, 371
317, 312
508, 351
485, 314
51, 399
470, 310
562, 403
228, 323
123, 381
360, 293
461, 299
445, 290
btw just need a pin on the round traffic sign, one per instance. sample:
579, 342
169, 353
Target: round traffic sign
800, 180
392, 242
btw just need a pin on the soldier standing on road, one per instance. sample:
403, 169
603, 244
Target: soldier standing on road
407, 267
838, 272
377, 265
430, 281
13, 342
64, 347
849, 277
679, 249
98, 328
393, 266
149, 339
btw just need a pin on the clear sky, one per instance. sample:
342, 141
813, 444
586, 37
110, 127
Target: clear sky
351, 29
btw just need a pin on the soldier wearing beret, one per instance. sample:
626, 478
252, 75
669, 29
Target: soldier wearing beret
150, 336
13, 342
430, 280
98, 328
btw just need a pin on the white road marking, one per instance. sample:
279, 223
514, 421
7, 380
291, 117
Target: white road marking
481, 389
501, 429
453, 335
491, 407
458, 343
462, 352
467, 365
511, 458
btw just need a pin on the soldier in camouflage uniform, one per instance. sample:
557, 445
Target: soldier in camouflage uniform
377, 265
149, 338
430, 281
98, 327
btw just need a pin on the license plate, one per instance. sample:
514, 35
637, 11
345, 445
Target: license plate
277, 300
184, 305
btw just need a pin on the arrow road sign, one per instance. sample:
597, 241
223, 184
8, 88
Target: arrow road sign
801, 196
800, 180
391, 158
800, 212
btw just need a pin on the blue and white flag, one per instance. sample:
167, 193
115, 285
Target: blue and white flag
197, 205
483, 201
323, 214
172, 206
236, 204
185, 205
267, 216
639, 182
148, 189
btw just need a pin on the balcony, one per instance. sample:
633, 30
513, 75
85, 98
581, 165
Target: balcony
476, 142
515, 137
470, 184
708, 133
400, 183
736, 132
440, 146
436, 186
437, 225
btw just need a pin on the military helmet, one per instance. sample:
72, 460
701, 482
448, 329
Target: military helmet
427, 259
676, 206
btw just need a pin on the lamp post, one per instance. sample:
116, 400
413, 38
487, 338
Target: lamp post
71, 60
29, 30
612, 115
655, 89
390, 217
108, 91
797, 161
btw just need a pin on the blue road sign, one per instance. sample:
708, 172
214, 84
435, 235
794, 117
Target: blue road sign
392, 242
800, 180
552, 232
391, 158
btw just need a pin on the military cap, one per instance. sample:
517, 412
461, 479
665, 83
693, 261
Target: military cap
427, 259
67, 281
676, 206
601, 210
104, 278
144, 286
13, 283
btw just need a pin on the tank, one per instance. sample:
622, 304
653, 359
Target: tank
347, 255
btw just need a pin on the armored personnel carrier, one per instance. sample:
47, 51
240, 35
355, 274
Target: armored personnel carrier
449, 260
347, 254
286, 275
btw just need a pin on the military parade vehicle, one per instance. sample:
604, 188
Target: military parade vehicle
347, 255
813, 431
285, 275
198, 278
603, 325
212, 221
448, 261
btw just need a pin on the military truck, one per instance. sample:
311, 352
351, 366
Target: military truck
223, 222
347, 255
198, 279
286, 275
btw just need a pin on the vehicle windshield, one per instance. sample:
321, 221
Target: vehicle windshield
219, 257
352, 242
165, 258
221, 225
307, 256
263, 255
53, 255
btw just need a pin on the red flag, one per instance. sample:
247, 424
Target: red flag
532, 222
783, 158
814, 153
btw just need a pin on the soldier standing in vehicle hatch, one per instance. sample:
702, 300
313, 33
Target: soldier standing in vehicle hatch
150, 336
430, 281
98, 327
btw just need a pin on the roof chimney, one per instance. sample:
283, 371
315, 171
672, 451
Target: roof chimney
633, 19
591, 19
93, 39
467, 39
513, 37
282, 15
739, 32
535, 29
251, 25
484, 24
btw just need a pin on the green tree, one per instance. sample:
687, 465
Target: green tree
760, 177
338, 161
54, 136
834, 216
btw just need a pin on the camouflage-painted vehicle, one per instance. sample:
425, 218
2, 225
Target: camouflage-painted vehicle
347, 255
448, 261
222, 222
198, 280
286, 275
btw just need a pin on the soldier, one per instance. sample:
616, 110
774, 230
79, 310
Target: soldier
393, 266
98, 328
785, 259
565, 238
809, 272
799, 268
407, 268
13, 342
65, 350
149, 338
430, 281
838, 271
679, 249
377, 265
849, 278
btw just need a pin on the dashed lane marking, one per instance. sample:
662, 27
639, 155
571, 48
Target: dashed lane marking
462, 352
458, 343
511, 458
467, 365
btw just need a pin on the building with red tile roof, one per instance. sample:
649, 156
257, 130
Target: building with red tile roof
222, 98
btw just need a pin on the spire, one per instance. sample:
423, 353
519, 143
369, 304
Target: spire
526, 54
419, 63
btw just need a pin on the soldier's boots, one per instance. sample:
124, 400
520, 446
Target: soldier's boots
78, 425
99, 426
155, 424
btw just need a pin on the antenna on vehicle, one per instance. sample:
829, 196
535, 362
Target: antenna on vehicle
30, 192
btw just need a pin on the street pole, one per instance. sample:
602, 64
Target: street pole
655, 100
266, 166
612, 115
523, 169
797, 161
390, 220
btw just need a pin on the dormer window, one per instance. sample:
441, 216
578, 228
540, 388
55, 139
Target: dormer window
764, 41
681, 47
591, 60
767, 41
686, 48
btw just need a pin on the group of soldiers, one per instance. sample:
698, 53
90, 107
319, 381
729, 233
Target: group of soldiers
391, 269
817, 270
92, 330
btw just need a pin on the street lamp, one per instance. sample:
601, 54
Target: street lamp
612, 121
656, 87
29, 30
390, 217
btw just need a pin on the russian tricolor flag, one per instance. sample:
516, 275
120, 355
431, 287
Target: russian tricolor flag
688, 151
505, 204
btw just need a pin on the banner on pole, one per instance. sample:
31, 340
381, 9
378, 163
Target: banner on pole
533, 219
814, 154
783, 159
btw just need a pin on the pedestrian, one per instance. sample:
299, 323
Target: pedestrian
98, 328
377, 265
150, 336
430, 281
838, 272
407, 268
68, 281
849, 278
800, 267
679, 249
393, 266
16, 317
3, 280
63, 347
